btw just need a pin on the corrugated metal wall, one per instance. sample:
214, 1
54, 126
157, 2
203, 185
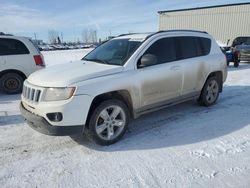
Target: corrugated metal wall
222, 23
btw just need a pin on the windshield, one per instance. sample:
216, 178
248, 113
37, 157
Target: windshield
241, 41
113, 52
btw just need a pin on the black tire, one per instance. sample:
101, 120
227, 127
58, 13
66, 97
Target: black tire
96, 117
209, 96
11, 83
236, 64
227, 63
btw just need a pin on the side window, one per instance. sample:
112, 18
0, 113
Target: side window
12, 47
188, 47
164, 50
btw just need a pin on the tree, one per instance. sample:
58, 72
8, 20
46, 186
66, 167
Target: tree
53, 36
89, 36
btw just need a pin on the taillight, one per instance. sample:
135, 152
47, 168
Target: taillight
38, 60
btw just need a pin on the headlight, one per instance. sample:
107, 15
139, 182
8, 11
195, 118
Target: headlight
57, 94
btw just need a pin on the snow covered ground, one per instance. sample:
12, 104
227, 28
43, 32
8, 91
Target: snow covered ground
185, 146
63, 56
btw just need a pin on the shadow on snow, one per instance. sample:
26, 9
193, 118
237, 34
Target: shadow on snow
184, 124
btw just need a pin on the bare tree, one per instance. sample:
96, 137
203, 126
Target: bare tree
53, 36
85, 36
89, 36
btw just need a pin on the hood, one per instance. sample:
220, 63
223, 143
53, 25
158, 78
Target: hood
66, 74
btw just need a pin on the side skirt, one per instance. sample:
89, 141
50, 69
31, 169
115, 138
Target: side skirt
165, 104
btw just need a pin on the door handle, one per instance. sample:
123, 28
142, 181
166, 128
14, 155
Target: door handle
176, 67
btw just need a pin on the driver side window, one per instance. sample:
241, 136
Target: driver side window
164, 50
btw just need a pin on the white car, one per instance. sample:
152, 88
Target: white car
19, 57
121, 79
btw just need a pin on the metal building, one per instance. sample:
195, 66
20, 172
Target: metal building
223, 22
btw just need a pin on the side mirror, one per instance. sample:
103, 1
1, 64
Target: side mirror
148, 60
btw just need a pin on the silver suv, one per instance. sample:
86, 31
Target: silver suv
121, 79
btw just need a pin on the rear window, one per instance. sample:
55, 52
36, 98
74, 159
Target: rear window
241, 40
190, 47
12, 47
35, 45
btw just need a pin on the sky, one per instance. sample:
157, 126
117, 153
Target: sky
70, 18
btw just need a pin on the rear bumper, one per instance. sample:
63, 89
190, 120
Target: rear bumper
41, 125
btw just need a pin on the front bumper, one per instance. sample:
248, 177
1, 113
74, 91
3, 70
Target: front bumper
41, 125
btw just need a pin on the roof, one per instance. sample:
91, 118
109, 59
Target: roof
3, 34
13, 37
207, 7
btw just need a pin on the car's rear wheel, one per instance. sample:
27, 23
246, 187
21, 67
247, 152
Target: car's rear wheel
210, 92
11, 83
108, 122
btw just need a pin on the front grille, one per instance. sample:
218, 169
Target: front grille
31, 94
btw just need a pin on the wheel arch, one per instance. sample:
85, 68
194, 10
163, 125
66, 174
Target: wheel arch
13, 71
122, 95
217, 74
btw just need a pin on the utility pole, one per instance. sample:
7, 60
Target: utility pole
62, 37
35, 38
74, 33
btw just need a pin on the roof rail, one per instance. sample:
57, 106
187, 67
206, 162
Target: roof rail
180, 30
2, 33
126, 34
175, 30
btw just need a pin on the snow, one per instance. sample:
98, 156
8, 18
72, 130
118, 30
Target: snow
63, 56
182, 146
221, 44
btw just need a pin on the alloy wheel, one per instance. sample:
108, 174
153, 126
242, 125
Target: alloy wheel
212, 91
110, 122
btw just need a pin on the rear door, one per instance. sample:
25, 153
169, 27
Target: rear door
193, 51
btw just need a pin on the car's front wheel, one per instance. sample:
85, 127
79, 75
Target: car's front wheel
210, 92
108, 122
11, 83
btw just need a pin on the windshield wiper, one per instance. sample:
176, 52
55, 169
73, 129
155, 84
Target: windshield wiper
96, 60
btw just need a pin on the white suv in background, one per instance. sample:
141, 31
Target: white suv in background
19, 57
121, 79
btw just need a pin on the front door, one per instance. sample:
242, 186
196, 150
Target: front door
162, 81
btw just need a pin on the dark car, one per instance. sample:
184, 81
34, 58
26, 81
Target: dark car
228, 53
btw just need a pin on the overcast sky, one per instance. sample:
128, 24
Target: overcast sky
26, 17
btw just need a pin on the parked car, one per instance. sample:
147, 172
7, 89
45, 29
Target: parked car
19, 57
241, 49
227, 50
44, 47
122, 79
